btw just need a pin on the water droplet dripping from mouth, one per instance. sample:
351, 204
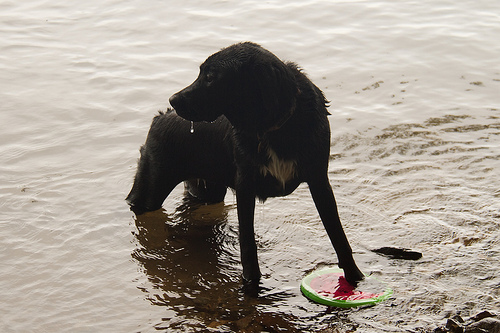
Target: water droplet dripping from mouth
192, 127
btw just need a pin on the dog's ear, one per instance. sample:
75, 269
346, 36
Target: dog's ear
276, 89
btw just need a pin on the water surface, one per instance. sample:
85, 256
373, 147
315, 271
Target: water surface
415, 98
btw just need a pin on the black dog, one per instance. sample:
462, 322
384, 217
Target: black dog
202, 159
274, 136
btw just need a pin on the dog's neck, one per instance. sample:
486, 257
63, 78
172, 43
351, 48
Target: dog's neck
281, 121
262, 136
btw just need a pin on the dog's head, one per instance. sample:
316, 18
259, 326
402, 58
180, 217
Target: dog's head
245, 82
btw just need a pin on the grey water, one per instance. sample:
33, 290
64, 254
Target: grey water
415, 101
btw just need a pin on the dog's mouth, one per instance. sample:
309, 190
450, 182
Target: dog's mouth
187, 111
192, 115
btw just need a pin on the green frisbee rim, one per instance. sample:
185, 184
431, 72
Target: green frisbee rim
310, 293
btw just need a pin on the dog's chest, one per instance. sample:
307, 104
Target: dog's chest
282, 170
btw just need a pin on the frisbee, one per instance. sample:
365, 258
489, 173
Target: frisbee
328, 286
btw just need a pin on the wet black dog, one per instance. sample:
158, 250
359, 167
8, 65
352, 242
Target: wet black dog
172, 154
271, 133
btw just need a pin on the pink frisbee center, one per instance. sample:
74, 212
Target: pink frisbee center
334, 285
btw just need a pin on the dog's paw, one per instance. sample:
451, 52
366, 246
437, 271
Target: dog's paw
251, 287
353, 275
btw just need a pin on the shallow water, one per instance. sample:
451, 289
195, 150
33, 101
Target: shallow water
415, 91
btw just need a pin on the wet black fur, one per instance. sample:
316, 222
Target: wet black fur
260, 105
203, 160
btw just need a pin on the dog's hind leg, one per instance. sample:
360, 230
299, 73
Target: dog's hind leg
324, 200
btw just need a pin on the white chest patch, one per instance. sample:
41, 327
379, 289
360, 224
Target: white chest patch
282, 170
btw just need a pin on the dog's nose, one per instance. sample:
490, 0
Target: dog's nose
173, 100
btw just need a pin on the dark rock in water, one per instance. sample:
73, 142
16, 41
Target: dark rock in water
490, 325
482, 315
483, 322
458, 319
453, 326
399, 253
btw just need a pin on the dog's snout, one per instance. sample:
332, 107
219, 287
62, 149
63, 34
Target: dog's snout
174, 100
180, 104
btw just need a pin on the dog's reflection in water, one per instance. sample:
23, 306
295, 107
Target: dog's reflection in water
192, 252
191, 260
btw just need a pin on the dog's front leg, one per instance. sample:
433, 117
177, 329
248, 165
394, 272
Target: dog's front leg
245, 198
324, 200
